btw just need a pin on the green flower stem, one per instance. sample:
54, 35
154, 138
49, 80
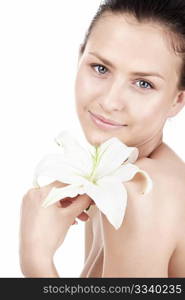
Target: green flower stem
95, 164
88, 208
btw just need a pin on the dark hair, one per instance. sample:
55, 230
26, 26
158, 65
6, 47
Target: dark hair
168, 13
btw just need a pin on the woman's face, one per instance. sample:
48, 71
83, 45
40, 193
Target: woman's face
127, 74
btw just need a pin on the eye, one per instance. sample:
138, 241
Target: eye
100, 68
145, 84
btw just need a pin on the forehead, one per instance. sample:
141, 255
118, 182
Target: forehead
124, 40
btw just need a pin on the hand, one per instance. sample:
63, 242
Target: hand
43, 230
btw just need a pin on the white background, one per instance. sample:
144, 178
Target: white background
39, 42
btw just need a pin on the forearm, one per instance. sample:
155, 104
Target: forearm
38, 266
42, 271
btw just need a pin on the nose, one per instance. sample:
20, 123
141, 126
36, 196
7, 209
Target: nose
114, 98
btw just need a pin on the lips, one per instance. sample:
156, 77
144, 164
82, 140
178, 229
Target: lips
106, 121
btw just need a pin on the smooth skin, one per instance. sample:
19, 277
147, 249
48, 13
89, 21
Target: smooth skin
114, 91
42, 230
150, 241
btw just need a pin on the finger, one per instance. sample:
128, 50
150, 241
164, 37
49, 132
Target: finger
68, 201
83, 216
74, 223
79, 205
44, 190
65, 202
55, 183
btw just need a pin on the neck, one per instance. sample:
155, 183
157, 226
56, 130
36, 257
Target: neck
147, 148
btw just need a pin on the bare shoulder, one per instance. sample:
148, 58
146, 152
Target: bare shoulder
168, 162
174, 170
145, 242
167, 171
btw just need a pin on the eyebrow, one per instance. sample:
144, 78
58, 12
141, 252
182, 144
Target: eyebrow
108, 63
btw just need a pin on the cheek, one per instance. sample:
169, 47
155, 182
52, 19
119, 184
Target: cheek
87, 88
83, 88
150, 116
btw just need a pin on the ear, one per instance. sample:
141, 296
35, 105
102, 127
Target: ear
177, 104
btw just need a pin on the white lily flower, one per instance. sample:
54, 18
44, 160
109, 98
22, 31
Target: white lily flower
99, 173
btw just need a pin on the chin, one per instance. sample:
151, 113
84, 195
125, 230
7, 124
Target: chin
95, 138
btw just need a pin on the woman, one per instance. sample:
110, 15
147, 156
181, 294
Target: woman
130, 80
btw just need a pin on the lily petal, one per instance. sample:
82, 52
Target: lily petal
112, 154
148, 182
57, 194
111, 198
74, 153
55, 167
127, 171
99, 174
133, 154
